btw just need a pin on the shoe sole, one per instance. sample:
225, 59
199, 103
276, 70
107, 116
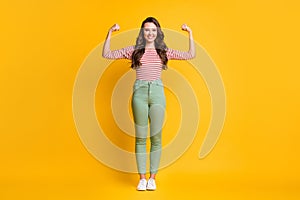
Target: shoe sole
141, 190
151, 189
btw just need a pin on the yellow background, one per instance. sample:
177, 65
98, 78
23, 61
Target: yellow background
255, 46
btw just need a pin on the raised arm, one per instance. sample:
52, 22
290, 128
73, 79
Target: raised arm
106, 47
183, 55
192, 50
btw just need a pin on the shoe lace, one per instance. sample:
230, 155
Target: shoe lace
142, 182
151, 182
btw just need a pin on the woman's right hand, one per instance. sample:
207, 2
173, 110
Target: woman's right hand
115, 27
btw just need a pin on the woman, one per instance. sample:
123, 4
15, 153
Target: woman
148, 57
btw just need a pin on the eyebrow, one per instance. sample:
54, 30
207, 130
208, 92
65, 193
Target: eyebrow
150, 28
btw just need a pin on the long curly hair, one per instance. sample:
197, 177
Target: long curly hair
160, 46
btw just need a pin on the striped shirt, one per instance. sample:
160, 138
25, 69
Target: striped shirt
151, 67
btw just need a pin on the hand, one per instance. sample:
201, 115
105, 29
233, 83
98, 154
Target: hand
115, 27
184, 27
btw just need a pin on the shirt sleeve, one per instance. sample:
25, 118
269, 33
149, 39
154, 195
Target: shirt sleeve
173, 54
120, 53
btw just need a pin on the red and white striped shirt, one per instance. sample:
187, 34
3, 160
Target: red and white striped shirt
151, 67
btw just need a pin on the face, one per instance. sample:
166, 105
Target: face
150, 32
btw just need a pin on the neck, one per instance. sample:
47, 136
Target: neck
150, 45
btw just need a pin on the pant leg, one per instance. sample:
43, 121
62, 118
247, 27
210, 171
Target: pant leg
140, 114
156, 115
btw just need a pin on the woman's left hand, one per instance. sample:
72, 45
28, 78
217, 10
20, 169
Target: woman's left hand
184, 27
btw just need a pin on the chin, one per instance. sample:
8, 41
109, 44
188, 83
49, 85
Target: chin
150, 41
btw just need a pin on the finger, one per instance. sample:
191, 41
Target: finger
185, 27
117, 27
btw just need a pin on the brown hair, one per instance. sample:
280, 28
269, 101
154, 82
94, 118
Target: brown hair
139, 49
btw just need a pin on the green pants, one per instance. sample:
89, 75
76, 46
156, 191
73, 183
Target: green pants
148, 105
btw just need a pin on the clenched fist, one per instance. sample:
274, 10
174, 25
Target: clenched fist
184, 27
115, 27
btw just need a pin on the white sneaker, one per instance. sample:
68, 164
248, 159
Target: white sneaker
142, 185
151, 184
